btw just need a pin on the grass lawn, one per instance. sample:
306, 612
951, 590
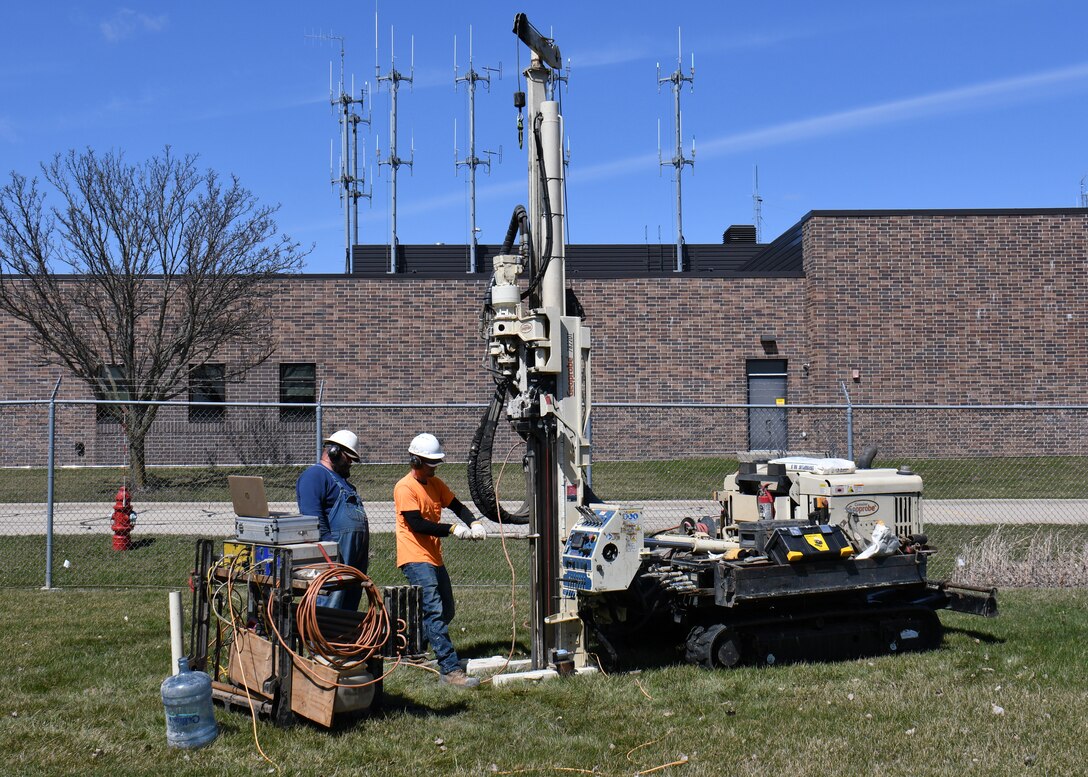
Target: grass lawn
79, 693
992, 478
166, 560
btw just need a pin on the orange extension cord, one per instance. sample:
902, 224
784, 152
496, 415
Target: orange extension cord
373, 631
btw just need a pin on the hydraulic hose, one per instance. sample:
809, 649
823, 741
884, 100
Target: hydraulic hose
481, 483
519, 220
546, 203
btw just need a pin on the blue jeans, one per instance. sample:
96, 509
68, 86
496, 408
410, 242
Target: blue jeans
438, 610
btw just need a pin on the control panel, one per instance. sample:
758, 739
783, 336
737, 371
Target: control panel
603, 550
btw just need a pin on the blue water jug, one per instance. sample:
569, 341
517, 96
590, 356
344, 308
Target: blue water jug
187, 698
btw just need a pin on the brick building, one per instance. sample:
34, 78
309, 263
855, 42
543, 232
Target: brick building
900, 307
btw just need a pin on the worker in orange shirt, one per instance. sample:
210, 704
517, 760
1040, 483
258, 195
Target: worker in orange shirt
419, 498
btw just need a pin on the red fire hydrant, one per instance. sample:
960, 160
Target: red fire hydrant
123, 520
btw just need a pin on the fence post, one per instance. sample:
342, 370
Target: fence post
849, 423
317, 418
49, 487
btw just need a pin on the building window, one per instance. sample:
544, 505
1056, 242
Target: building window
207, 383
298, 384
111, 386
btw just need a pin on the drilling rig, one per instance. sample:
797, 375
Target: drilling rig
539, 352
796, 566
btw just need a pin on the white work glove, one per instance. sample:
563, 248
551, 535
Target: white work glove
462, 532
478, 532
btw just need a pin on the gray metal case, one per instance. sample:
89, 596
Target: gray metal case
279, 530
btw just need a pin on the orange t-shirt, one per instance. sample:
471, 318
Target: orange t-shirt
430, 499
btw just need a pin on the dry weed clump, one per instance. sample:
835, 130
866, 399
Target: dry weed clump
1044, 559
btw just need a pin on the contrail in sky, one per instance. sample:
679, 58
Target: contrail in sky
1001, 92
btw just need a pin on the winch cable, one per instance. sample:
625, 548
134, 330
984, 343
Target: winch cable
481, 484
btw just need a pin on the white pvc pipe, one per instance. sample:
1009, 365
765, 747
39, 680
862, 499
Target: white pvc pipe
537, 674
175, 630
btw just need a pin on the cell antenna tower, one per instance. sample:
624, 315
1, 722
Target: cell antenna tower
1083, 192
394, 78
677, 79
349, 180
757, 207
472, 77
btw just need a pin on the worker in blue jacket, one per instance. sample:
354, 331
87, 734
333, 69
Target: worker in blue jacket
323, 490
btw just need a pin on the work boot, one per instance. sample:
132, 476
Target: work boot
458, 678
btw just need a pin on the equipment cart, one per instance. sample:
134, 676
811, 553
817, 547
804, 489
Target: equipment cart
245, 633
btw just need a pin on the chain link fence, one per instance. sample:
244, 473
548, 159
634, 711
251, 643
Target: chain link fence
1005, 491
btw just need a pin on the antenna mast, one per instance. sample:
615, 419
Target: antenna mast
349, 179
472, 161
757, 208
1083, 192
394, 162
677, 79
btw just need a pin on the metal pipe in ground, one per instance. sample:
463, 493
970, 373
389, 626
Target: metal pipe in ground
51, 473
849, 422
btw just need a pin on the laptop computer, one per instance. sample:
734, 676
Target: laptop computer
247, 494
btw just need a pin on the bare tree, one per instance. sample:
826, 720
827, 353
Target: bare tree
139, 273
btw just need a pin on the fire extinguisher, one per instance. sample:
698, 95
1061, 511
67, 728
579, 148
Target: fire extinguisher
765, 500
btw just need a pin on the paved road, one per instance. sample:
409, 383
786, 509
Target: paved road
217, 518
195, 518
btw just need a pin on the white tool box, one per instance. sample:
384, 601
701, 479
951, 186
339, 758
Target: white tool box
278, 530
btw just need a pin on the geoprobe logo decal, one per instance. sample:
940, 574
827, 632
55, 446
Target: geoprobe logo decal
863, 507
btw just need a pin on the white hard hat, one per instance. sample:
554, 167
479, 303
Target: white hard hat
426, 446
346, 440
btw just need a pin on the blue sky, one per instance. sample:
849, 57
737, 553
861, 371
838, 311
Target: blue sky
969, 104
